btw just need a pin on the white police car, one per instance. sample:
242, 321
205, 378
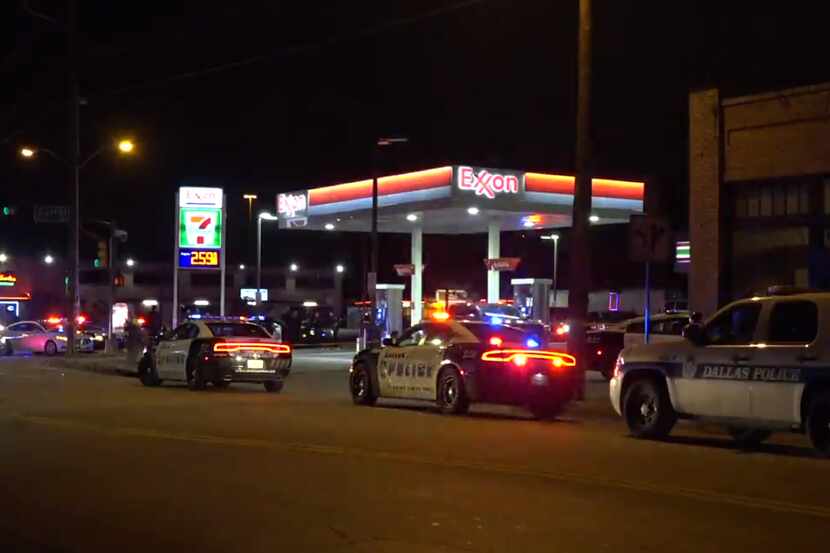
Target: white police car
217, 351
758, 365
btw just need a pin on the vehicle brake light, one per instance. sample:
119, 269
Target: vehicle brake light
599, 352
520, 357
440, 315
141, 321
496, 341
563, 329
80, 319
233, 347
53, 320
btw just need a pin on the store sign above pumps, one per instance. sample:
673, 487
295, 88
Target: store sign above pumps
487, 184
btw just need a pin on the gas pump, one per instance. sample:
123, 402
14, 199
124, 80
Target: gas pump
385, 318
531, 296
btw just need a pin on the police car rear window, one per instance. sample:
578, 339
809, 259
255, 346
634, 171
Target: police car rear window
485, 332
237, 330
793, 322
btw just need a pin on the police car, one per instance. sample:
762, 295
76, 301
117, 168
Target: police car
605, 344
758, 365
217, 352
455, 363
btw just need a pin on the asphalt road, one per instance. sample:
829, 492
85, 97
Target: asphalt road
95, 462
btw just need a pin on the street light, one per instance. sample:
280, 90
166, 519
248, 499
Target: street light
555, 237
124, 146
241, 266
329, 226
411, 217
473, 210
294, 267
264, 216
250, 198
3, 257
48, 259
379, 143
340, 268
130, 262
594, 218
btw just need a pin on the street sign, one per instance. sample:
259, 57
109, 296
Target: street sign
650, 239
192, 258
502, 263
51, 213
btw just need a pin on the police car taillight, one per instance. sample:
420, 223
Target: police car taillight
520, 357
496, 341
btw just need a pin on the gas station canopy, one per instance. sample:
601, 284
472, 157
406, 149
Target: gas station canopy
456, 200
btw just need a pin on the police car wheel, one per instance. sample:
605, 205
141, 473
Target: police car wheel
748, 437
647, 410
360, 385
818, 424
273, 386
195, 378
221, 383
148, 374
452, 398
51, 348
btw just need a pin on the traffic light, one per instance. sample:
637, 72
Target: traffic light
8, 211
118, 281
102, 261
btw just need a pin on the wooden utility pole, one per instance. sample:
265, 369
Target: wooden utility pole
580, 260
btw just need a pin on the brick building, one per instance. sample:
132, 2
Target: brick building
759, 185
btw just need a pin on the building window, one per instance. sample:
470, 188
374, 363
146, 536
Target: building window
787, 199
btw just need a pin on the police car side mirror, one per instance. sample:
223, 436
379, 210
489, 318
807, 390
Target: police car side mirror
694, 333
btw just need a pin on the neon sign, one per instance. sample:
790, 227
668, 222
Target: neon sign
290, 204
487, 184
198, 259
8, 279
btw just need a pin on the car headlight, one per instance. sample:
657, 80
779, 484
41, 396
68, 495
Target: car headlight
99, 338
61, 338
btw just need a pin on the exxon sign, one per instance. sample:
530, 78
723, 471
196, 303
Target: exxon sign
485, 183
289, 205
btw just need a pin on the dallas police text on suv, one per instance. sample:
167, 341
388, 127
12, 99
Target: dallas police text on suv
758, 365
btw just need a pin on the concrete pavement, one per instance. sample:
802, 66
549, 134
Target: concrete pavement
95, 462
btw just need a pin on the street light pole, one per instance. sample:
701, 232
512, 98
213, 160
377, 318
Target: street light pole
555, 267
75, 156
258, 259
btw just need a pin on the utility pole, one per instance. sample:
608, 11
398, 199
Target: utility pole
75, 162
580, 262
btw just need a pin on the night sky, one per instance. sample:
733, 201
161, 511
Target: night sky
264, 97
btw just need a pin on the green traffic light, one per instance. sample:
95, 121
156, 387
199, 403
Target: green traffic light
96, 263
7, 210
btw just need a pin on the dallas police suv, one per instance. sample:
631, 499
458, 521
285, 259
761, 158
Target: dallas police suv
219, 352
454, 363
758, 365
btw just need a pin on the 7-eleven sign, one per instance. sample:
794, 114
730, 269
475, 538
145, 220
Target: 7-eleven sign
200, 227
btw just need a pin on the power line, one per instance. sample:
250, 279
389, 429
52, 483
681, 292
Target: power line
300, 48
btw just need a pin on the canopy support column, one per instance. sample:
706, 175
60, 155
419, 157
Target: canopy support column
493, 251
416, 288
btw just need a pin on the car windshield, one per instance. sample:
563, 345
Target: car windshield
498, 310
509, 334
237, 330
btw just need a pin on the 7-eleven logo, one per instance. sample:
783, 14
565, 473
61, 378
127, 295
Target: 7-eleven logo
200, 228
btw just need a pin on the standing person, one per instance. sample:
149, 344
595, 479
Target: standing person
292, 325
154, 322
134, 340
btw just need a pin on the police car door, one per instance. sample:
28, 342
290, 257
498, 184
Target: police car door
393, 362
715, 375
425, 360
172, 353
790, 353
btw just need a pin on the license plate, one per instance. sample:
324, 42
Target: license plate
255, 364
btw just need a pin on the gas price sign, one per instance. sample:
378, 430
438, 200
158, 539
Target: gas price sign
190, 258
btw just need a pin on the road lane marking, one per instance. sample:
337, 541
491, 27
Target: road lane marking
588, 480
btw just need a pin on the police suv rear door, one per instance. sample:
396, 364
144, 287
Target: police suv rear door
789, 356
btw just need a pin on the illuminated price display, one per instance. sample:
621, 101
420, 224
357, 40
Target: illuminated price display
198, 259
